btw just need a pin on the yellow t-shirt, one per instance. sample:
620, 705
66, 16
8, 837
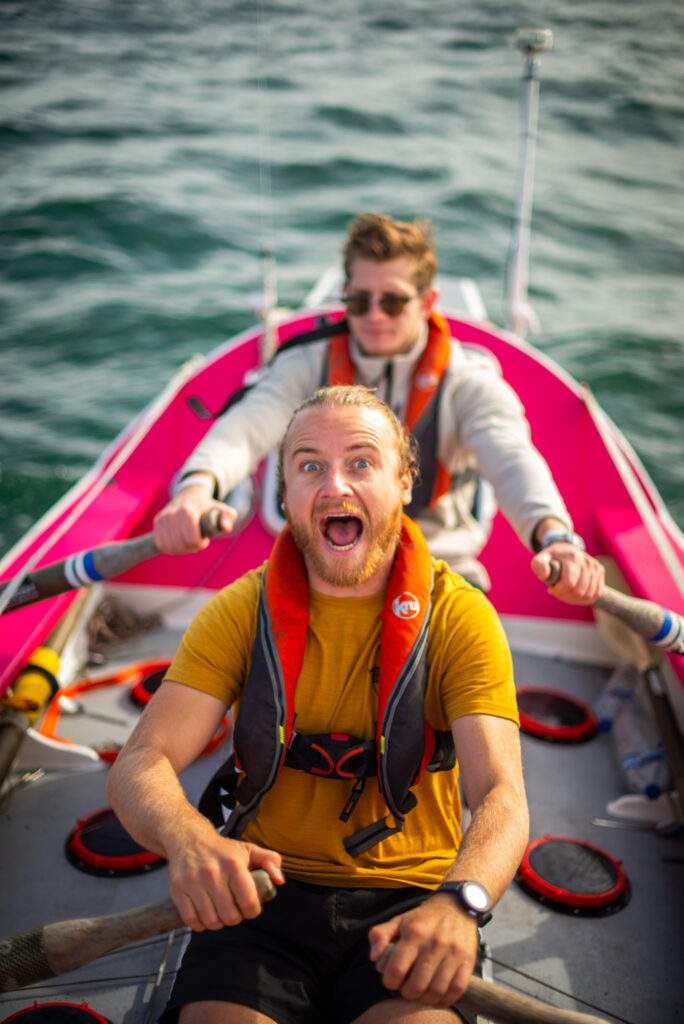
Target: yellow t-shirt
469, 672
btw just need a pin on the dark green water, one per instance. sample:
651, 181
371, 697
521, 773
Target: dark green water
150, 150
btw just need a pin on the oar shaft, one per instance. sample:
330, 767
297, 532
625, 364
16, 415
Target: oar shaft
504, 1006
658, 625
88, 567
66, 945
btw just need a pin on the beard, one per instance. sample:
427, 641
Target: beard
381, 536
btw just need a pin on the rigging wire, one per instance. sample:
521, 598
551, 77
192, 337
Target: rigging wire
555, 988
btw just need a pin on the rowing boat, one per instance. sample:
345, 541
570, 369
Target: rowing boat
608, 944
122, 630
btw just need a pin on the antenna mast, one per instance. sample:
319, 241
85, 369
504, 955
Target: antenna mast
531, 42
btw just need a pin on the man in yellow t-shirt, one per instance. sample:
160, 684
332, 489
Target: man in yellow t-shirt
347, 470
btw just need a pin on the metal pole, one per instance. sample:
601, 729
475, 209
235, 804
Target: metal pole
530, 42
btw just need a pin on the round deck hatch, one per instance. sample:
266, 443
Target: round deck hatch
555, 716
573, 877
58, 1013
100, 845
146, 687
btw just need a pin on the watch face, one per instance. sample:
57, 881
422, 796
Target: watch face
476, 896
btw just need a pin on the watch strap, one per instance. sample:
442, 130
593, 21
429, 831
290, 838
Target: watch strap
456, 888
564, 537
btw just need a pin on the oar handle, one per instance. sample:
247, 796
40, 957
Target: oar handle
88, 567
659, 625
504, 1006
66, 945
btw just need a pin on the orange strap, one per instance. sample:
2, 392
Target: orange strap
134, 673
424, 382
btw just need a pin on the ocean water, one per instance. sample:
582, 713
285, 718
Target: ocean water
151, 151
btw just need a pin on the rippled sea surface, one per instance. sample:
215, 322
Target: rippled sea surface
151, 151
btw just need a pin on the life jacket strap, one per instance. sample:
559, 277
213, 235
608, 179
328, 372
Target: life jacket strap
335, 756
369, 836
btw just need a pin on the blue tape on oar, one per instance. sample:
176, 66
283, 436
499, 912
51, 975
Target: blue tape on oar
89, 566
671, 634
664, 630
80, 570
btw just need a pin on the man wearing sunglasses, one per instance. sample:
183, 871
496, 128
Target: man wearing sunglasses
468, 422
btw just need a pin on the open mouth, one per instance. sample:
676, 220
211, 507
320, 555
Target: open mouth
341, 531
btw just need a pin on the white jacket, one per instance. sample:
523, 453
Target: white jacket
482, 431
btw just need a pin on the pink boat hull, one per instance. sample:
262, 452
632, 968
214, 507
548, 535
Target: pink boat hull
615, 507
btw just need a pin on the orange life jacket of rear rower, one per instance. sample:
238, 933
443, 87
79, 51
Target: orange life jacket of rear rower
422, 409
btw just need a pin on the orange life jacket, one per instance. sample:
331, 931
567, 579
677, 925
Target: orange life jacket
422, 408
264, 739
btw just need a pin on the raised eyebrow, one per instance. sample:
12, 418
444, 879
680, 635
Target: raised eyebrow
357, 446
364, 446
305, 450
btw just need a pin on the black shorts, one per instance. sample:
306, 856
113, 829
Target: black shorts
304, 960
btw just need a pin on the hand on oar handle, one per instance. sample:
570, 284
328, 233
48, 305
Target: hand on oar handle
503, 1006
659, 625
57, 948
88, 567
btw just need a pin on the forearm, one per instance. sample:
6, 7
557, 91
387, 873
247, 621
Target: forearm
146, 794
490, 760
494, 842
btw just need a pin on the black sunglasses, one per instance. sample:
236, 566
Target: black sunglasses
358, 303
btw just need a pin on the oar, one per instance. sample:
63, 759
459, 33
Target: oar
658, 625
503, 1006
634, 649
88, 567
67, 945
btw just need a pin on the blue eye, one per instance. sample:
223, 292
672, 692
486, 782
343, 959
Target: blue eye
310, 467
362, 464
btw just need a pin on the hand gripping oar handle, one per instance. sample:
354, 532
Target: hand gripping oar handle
658, 625
88, 567
66, 945
504, 1006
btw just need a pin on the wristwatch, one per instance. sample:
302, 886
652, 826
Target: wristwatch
564, 536
473, 898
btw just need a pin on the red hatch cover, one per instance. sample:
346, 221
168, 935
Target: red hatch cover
573, 876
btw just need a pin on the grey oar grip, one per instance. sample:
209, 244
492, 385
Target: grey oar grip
88, 567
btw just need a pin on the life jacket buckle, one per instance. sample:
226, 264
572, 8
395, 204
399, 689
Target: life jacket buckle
353, 799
